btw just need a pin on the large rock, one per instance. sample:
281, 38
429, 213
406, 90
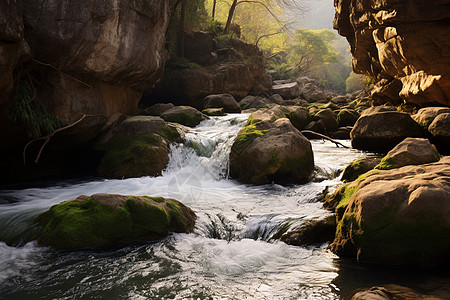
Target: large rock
411, 151
381, 128
358, 167
225, 101
392, 292
184, 115
298, 116
327, 120
103, 220
254, 102
199, 48
287, 90
158, 109
440, 131
270, 149
347, 117
139, 146
397, 216
315, 231
90, 58
404, 46
425, 116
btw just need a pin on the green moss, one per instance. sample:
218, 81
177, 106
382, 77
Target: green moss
169, 132
187, 119
89, 223
75, 224
387, 163
316, 106
246, 136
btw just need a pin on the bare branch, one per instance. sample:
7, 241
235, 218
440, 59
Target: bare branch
48, 137
324, 137
55, 68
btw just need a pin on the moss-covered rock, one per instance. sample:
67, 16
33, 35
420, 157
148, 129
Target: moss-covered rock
397, 216
270, 149
184, 115
347, 117
425, 116
411, 151
358, 167
106, 219
139, 146
298, 116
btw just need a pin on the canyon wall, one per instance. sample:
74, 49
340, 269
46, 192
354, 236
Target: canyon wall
403, 44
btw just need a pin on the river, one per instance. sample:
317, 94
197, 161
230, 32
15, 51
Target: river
229, 256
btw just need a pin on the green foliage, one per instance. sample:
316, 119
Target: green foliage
32, 113
354, 82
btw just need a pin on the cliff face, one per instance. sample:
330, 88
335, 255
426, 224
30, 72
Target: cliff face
92, 57
404, 44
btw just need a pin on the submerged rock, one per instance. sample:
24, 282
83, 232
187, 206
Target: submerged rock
397, 216
184, 115
314, 231
270, 149
381, 128
107, 219
411, 151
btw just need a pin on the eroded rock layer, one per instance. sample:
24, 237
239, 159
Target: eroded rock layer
403, 44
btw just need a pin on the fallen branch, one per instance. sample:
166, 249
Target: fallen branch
324, 137
58, 70
48, 137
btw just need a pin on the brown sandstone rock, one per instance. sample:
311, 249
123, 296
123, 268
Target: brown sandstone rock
440, 130
403, 45
392, 292
398, 216
225, 101
426, 115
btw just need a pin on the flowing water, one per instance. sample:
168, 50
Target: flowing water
229, 256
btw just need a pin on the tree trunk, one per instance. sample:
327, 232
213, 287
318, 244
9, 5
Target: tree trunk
180, 44
230, 16
214, 9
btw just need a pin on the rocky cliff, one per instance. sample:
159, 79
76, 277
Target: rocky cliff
403, 44
92, 57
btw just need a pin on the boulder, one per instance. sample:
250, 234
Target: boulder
397, 216
358, 167
270, 149
425, 116
286, 90
342, 133
440, 132
184, 115
254, 102
225, 101
139, 146
327, 120
277, 99
315, 231
403, 46
214, 112
298, 116
411, 151
381, 128
103, 220
312, 93
347, 117
157, 109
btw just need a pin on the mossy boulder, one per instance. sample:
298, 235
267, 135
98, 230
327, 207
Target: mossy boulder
139, 146
411, 151
298, 116
347, 117
157, 109
270, 149
225, 101
103, 220
440, 132
327, 120
358, 167
397, 216
382, 128
184, 115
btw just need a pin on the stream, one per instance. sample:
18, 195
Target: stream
230, 255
